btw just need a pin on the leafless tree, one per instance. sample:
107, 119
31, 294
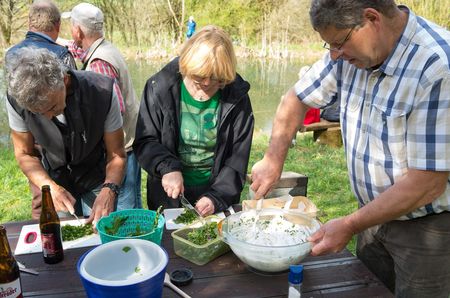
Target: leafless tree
13, 16
178, 16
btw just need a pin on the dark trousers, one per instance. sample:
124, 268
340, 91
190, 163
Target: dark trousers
411, 257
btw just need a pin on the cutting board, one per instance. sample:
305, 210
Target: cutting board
30, 239
172, 213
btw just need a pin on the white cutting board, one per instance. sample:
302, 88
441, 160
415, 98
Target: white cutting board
32, 231
171, 214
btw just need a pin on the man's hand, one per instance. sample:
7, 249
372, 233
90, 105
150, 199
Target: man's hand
205, 206
62, 199
173, 184
265, 174
332, 237
103, 206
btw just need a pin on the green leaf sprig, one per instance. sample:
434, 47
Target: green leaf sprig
155, 221
116, 224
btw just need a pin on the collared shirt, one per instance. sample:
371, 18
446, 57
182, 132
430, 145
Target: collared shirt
99, 66
395, 117
67, 59
113, 121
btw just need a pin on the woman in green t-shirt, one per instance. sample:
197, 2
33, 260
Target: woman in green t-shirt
195, 127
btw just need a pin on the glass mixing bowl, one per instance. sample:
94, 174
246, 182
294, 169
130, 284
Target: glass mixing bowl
275, 241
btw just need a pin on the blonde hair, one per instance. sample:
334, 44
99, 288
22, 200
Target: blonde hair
209, 54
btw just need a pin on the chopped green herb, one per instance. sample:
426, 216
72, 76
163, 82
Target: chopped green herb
186, 217
126, 248
137, 269
70, 232
203, 234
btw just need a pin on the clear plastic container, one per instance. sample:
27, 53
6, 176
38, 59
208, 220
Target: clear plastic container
198, 254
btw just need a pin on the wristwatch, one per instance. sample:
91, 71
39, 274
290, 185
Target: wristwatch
114, 187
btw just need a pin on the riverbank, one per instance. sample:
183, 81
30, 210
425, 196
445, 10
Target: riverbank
306, 53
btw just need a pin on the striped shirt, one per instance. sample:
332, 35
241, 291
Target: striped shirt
395, 117
99, 66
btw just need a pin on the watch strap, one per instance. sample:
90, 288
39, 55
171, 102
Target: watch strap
114, 187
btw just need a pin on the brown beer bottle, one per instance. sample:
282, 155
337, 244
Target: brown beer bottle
52, 248
10, 285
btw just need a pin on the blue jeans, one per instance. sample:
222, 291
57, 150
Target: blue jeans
87, 201
129, 195
130, 192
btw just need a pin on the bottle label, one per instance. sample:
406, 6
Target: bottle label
48, 245
11, 290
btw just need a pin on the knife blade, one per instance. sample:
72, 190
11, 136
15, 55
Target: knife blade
27, 270
189, 206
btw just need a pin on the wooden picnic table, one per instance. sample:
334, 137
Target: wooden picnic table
336, 275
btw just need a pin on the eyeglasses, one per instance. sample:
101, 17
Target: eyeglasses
199, 80
339, 47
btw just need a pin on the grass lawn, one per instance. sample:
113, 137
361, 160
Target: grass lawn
328, 185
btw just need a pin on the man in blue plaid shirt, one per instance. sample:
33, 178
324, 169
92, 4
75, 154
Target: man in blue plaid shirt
390, 70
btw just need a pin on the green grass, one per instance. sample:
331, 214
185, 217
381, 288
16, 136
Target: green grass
328, 185
15, 197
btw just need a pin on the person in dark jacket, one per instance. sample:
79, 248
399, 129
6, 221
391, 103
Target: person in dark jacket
44, 21
75, 118
195, 127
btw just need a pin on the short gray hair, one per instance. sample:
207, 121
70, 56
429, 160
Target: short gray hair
90, 32
343, 14
43, 15
32, 74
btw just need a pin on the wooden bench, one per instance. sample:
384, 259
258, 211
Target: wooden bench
291, 183
325, 132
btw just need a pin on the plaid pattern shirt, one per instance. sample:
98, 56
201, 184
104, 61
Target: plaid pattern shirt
395, 117
99, 66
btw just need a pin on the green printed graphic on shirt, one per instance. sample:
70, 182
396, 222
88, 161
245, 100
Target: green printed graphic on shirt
198, 135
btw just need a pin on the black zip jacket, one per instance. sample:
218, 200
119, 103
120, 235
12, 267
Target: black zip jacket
158, 127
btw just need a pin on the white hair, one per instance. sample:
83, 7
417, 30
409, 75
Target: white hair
89, 32
32, 74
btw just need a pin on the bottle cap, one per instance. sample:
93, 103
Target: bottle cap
181, 277
295, 274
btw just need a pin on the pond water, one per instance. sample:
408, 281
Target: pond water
269, 80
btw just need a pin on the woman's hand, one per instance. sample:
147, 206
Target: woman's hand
205, 206
172, 184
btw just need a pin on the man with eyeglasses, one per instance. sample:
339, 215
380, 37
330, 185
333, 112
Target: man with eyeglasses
390, 70
82, 152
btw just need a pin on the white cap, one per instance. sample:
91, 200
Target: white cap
87, 15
